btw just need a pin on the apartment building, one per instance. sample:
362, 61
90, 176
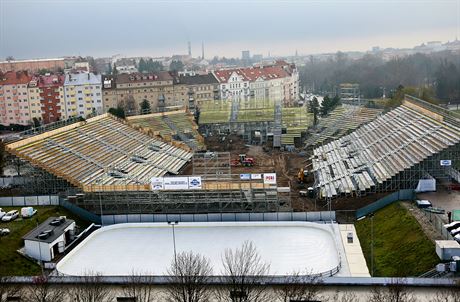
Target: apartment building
233, 84
201, 87
83, 94
275, 82
122, 88
52, 99
14, 102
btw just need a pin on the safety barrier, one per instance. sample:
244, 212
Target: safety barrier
407, 194
213, 217
23, 201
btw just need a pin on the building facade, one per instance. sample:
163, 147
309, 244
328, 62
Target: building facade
275, 82
135, 88
83, 94
200, 87
233, 84
33, 65
14, 102
52, 100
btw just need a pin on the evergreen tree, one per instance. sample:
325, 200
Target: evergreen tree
314, 108
145, 107
176, 65
109, 70
142, 67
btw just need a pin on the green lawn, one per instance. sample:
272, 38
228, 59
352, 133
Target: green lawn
400, 246
11, 262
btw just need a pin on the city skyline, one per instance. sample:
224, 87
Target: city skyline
159, 28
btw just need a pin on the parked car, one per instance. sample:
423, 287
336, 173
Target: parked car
452, 225
4, 232
2, 213
455, 231
457, 238
10, 216
28, 212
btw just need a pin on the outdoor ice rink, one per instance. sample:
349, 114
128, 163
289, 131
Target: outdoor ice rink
147, 248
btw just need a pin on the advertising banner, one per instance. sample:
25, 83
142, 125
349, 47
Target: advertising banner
156, 183
270, 178
175, 183
256, 176
194, 182
446, 162
245, 176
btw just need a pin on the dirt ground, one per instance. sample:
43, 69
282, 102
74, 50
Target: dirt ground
267, 160
286, 165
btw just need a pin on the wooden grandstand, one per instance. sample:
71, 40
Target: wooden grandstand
392, 152
174, 125
101, 154
341, 121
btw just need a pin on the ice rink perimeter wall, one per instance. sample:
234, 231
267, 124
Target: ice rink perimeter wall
216, 217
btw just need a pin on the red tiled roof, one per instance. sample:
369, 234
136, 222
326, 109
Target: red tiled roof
252, 73
51, 80
224, 75
266, 73
13, 77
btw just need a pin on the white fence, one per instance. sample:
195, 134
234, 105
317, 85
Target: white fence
212, 217
22, 201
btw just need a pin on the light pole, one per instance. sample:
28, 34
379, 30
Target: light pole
173, 224
371, 216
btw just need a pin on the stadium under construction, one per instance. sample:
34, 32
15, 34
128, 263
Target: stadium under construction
107, 165
417, 140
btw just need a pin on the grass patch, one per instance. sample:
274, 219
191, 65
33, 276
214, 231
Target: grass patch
400, 246
11, 262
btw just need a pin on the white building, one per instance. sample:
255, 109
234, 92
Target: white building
233, 84
83, 94
49, 239
276, 82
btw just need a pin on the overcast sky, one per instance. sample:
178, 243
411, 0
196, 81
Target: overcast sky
38, 28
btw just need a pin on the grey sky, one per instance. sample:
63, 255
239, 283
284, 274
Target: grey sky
38, 28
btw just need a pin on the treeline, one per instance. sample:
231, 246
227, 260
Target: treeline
439, 72
149, 66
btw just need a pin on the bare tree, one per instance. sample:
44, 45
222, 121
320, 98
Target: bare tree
300, 288
189, 275
396, 291
451, 294
91, 289
244, 271
347, 297
8, 288
42, 291
139, 286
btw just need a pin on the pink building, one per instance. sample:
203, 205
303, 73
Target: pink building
14, 104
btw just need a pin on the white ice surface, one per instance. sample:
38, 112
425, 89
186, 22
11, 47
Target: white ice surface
147, 248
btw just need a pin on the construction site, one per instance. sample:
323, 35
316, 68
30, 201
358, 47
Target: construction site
354, 154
